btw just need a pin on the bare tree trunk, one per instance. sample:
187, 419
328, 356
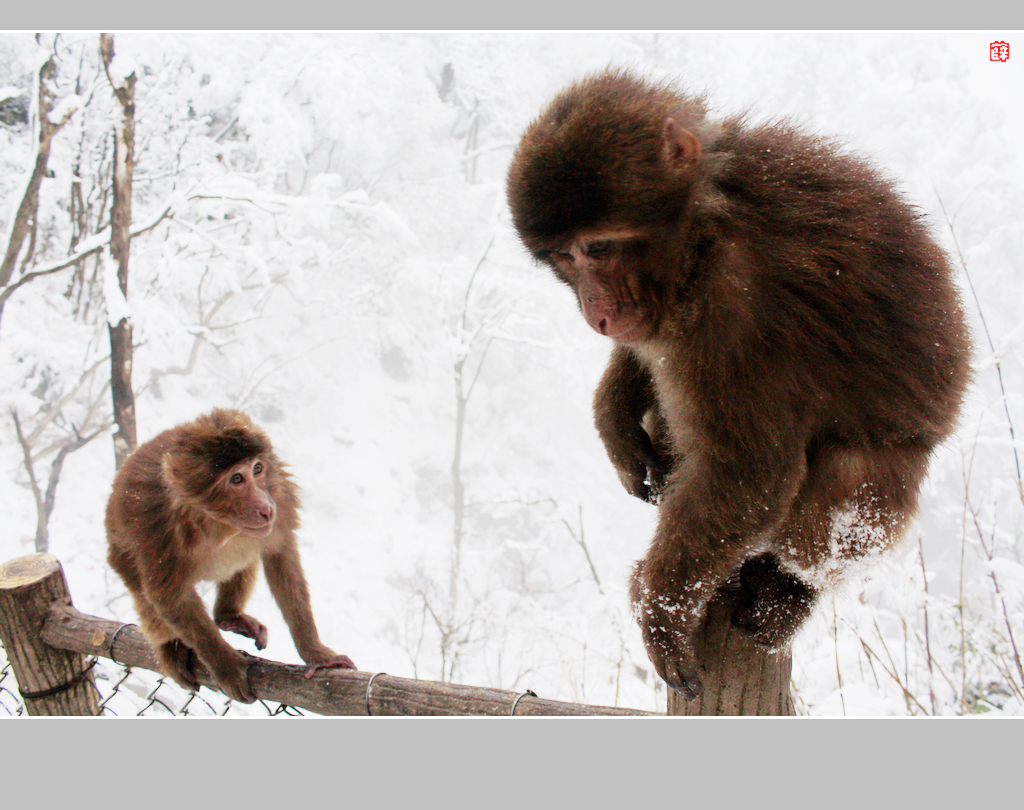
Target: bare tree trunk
120, 243
738, 676
24, 218
23, 225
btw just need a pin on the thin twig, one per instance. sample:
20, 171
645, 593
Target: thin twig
581, 542
927, 639
835, 639
907, 695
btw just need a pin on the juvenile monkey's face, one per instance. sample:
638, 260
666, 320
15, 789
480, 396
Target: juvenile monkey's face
243, 498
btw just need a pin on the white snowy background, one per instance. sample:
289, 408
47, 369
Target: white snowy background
338, 261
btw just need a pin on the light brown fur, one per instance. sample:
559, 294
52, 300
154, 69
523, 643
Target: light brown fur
209, 501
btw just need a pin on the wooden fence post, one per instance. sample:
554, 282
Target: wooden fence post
53, 682
738, 676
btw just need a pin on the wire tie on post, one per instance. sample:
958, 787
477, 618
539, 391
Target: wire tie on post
111, 645
369, 684
529, 692
63, 687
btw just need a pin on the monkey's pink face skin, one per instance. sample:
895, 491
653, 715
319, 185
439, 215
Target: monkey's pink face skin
245, 501
599, 265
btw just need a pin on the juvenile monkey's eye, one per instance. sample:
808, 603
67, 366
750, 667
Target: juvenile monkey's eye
602, 247
237, 479
257, 468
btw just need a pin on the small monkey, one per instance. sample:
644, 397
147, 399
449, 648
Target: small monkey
209, 500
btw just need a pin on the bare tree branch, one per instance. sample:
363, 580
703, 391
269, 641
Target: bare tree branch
87, 248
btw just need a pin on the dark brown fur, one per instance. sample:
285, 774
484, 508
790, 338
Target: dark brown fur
208, 500
790, 346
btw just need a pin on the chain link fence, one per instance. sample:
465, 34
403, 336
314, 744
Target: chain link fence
135, 692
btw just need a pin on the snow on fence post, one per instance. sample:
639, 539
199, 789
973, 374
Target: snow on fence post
52, 681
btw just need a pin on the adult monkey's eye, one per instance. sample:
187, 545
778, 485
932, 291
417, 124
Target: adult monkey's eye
602, 247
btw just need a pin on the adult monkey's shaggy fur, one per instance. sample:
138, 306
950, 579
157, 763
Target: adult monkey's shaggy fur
789, 345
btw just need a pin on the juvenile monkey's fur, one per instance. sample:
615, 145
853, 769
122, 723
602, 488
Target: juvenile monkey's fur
209, 500
789, 345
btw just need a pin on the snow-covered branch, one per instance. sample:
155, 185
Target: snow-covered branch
87, 247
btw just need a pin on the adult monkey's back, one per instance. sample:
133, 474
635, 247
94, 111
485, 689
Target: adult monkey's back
789, 345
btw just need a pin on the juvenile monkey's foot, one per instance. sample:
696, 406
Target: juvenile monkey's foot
177, 661
771, 603
338, 661
231, 671
245, 626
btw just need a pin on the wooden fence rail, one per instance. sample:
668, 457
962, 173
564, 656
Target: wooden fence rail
47, 641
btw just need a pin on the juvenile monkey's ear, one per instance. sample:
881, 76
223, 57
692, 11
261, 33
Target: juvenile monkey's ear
172, 477
681, 148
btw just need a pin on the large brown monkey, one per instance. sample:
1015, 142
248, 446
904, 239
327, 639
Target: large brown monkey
208, 500
789, 345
